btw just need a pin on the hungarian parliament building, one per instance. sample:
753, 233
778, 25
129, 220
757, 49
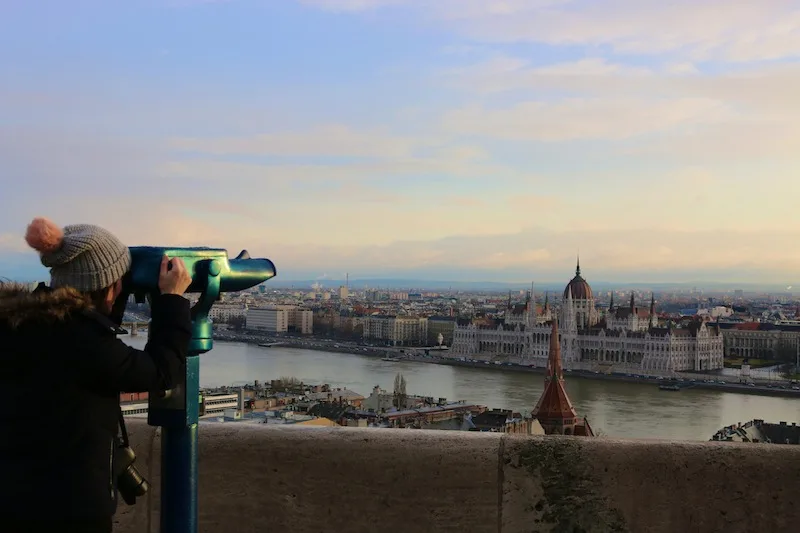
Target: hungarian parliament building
625, 337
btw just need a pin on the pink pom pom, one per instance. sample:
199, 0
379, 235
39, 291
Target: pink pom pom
44, 235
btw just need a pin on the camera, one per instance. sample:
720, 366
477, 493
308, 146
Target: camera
130, 483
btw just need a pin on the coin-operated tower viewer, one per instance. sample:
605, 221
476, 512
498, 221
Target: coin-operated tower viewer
176, 410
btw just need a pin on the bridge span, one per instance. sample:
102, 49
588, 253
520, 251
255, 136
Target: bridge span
134, 327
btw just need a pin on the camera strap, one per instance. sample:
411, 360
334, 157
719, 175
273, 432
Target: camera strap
123, 431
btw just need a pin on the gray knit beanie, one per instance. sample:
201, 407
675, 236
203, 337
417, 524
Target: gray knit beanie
82, 256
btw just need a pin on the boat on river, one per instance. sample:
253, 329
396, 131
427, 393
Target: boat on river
391, 359
669, 387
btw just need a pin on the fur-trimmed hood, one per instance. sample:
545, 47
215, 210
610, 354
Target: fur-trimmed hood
19, 304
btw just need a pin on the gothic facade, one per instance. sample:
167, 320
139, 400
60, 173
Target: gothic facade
628, 338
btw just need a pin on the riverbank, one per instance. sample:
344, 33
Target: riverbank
685, 382
346, 347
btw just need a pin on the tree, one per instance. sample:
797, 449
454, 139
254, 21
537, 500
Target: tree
288, 384
400, 395
786, 353
346, 328
237, 322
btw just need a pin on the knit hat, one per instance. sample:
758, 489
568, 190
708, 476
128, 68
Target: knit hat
82, 256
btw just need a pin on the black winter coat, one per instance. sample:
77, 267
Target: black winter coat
62, 369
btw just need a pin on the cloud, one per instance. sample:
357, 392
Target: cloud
351, 5
579, 118
539, 254
503, 73
742, 113
711, 30
10, 242
464, 201
757, 87
323, 141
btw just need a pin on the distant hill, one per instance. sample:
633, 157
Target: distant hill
443, 285
25, 267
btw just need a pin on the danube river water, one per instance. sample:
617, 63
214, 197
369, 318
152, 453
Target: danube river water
615, 409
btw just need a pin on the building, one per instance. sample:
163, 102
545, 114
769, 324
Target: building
213, 404
554, 410
300, 320
633, 343
216, 404
397, 330
338, 396
505, 421
134, 410
631, 318
760, 431
224, 312
381, 400
582, 297
272, 319
761, 340
444, 325
280, 319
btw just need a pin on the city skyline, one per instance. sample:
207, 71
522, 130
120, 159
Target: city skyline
476, 140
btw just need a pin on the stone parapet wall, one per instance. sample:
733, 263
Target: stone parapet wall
256, 478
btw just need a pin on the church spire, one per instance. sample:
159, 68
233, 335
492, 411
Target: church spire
554, 367
531, 307
653, 319
611, 303
578, 266
554, 409
633, 304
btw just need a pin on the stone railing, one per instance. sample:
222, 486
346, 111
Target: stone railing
275, 479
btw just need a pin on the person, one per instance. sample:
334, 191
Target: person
62, 369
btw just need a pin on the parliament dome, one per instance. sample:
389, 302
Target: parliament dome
579, 287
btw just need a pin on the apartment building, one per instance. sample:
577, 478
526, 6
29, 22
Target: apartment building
444, 325
397, 330
280, 319
223, 312
271, 319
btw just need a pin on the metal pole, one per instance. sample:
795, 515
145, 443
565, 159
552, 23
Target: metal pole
177, 412
179, 459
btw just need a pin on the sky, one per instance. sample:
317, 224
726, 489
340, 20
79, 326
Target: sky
456, 139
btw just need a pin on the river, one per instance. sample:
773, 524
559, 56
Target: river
614, 409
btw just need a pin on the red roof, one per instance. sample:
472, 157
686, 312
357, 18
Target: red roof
554, 402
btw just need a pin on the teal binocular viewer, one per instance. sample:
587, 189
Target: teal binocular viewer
213, 273
177, 411
237, 274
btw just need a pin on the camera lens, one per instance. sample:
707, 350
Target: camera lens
130, 483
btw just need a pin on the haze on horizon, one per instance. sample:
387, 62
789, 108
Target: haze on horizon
474, 140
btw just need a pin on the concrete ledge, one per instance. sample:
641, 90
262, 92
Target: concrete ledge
259, 478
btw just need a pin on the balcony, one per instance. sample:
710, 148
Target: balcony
270, 479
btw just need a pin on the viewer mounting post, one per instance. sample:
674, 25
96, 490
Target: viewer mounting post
176, 410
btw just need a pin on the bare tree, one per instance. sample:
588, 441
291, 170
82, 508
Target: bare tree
237, 322
400, 395
289, 384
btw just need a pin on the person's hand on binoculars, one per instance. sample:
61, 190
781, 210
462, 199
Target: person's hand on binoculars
173, 280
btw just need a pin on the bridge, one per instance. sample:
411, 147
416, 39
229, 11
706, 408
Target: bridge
285, 478
133, 327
